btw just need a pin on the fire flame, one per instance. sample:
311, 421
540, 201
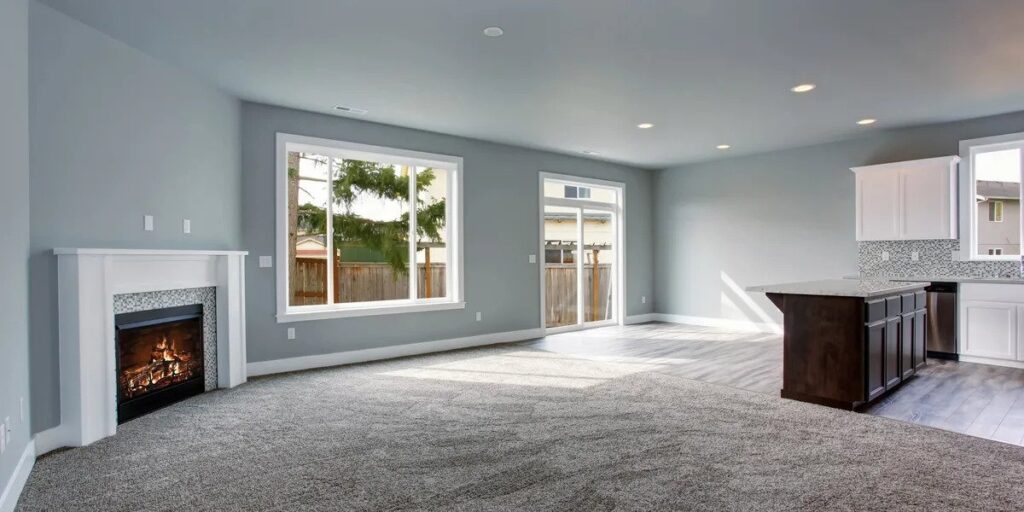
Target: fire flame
166, 366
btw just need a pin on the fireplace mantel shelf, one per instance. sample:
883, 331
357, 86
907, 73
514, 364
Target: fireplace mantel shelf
144, 252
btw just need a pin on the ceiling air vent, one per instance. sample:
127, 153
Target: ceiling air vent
351, 110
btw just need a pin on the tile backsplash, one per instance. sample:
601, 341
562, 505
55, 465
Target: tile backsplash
935, 259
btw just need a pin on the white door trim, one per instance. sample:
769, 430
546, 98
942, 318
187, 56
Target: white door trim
619, 212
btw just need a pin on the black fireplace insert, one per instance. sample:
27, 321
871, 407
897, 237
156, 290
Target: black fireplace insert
159, 358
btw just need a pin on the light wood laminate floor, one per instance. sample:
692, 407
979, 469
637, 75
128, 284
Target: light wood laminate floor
973, 399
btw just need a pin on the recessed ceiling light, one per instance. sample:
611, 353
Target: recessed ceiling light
803, 88
723, 146
493, 31
867, 121
644, 126
351, 110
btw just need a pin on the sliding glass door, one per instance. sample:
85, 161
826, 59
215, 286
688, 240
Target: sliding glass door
581, 229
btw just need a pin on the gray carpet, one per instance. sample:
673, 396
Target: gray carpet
513, 428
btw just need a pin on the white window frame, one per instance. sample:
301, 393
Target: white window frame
349, 150
968, 207
993, 210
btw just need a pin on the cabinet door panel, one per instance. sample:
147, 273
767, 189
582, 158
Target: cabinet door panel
990, 329
875, 338
920, 350
877, 199
925, 202
892, 352
907, 345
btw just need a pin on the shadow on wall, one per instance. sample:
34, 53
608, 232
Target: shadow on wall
738, 306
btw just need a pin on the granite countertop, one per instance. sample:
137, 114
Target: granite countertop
945, 279
865, 288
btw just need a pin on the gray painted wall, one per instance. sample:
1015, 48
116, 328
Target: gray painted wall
14, 227
501, 230
775, 217
116, 135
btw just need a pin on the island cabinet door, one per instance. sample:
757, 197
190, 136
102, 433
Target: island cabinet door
907, 345
920, 351
892, 352
874, 337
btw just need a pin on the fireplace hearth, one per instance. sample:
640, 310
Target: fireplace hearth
159, 358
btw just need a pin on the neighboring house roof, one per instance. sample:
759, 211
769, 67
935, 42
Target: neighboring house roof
997, 190
557, 216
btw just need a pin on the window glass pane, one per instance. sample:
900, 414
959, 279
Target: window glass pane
560, 292
431, 232
590, 193
997, 195
307, 224
598, 263
371, 231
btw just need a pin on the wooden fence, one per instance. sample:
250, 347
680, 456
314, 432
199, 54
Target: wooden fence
360, 282
560, 293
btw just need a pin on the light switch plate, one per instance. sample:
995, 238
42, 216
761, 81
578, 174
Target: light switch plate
186, 226
291, 333
533, 258
479, 316
147, 223
266, 261
885, 255
914, 256
643, 299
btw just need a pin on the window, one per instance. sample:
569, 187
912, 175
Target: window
366, 230
992, 168
574, 192
995, 211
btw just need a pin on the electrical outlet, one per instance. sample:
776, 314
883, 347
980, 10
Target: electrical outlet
186, 226
479, 316
147, 223
266, 261
291, 333
885, 255
956, 255
533, 258
643, 299
915, 256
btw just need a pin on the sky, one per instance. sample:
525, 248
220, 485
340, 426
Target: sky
998, 166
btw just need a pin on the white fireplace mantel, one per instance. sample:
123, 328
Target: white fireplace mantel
88, 280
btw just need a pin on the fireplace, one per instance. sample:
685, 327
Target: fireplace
159, 358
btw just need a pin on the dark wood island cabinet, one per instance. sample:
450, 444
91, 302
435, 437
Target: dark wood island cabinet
847, 342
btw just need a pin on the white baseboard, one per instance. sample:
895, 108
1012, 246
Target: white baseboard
376, 354
639, 319
49, 440
724, 323
14, 486
991, 361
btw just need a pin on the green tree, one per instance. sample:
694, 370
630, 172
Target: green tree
390, 239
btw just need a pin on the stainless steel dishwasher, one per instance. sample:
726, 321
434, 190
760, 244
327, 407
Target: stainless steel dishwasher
941, 330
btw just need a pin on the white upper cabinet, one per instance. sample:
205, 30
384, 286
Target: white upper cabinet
914, 200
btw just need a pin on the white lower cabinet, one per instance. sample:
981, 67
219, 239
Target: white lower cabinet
992, 321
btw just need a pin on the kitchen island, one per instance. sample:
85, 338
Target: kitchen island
847, 342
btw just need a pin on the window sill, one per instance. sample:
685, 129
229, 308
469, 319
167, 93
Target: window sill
370, 310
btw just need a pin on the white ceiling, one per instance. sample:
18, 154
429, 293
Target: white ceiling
573, 75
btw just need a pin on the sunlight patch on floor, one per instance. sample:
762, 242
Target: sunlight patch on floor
528, 368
